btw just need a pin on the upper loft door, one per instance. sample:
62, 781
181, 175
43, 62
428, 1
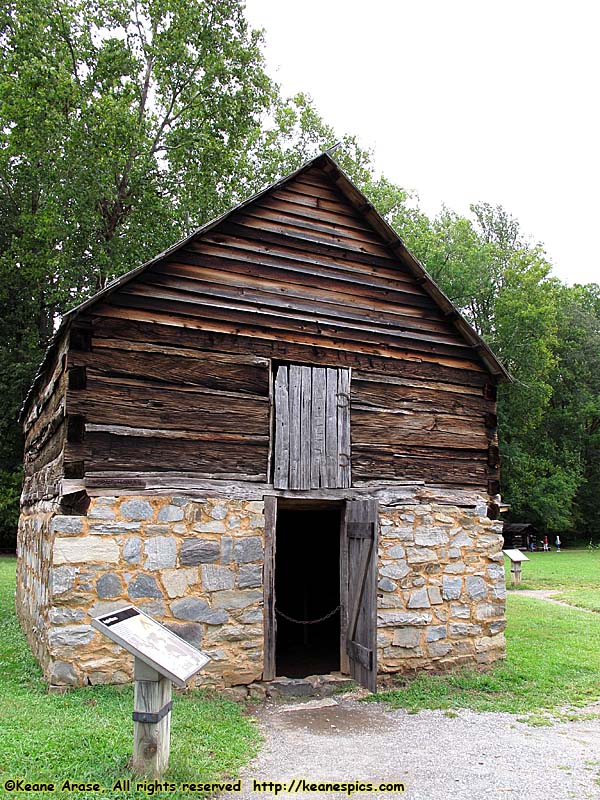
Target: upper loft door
312, 428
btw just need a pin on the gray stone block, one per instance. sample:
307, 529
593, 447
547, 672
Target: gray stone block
66, 525
63, 674
226, 549
476, 587
406, 637
143, 586
236, 599
109, 585
63, 579
397, 571
460, 630
435, 632
199, 551
252, 616
396, 619
429, 536
218, 512
154, 608
191, 609
451, 588
435, 596
496, 571
420, 555
132, 550
161, 552
114, 528
190, 631
70, 636
497, 627
419, 599
101, 512
215, 578
460, 610
439, 649
216, 616
214, 526
170, 514
386, 585
136, 508
183, 500
250, 576
61, 615
156, 529
397, 551
248, 549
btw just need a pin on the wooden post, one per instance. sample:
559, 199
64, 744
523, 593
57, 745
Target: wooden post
152, 721
515, 571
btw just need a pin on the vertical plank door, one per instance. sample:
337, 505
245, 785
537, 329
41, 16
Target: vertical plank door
312, 428
361, 633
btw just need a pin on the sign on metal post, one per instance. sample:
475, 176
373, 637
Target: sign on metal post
161, 658
516, 559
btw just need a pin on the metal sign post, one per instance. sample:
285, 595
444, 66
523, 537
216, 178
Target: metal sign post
160, 659
516, 558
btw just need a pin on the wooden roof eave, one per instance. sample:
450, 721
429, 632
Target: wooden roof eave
395, 243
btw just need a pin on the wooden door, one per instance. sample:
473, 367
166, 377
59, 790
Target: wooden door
312, 428
361, 528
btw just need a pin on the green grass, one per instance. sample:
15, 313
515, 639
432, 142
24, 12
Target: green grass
553, 662
569, 569
584, 598
87, 734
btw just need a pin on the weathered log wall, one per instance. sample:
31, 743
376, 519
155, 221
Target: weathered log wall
45, 429
173, 371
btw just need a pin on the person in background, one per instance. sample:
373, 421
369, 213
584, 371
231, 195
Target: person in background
546, 548
557, 543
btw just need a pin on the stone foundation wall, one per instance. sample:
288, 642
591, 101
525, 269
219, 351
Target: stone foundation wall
441, 590
34, 556
197, 566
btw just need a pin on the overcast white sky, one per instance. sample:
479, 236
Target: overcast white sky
461, 100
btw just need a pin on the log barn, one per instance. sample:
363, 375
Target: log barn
278, 438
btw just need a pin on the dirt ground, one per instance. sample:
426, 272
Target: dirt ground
435, 755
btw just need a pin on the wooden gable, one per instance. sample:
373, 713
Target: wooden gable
297, 264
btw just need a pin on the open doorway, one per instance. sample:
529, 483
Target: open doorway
307, 588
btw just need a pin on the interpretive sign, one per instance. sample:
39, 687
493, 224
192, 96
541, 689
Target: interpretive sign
515, 555
161, 658
156, 645
516, 558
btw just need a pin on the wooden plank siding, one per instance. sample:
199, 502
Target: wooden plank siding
178, 362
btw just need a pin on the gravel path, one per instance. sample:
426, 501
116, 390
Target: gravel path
473, 756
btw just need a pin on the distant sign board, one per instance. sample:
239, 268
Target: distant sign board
151, 642
515, 555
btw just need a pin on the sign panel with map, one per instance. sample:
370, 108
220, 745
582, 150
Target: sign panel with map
151, 642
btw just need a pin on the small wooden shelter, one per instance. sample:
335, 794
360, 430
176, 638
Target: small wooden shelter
279, 420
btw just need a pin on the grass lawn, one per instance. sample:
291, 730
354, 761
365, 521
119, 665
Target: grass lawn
86, 734
553, 661
569, 569
573, 573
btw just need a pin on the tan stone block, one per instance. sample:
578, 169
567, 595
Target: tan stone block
178, 581
85, 549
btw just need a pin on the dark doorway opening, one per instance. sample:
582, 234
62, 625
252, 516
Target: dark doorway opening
307, 587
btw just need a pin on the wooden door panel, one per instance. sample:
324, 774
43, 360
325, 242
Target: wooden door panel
361, 632
312, 428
